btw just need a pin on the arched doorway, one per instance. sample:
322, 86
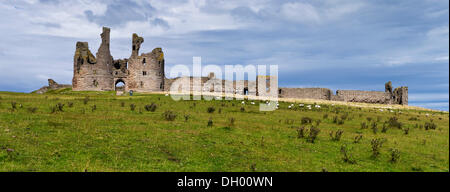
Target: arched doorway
246, 91
119, 86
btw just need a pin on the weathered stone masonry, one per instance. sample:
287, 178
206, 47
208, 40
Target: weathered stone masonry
145, 73
396, 96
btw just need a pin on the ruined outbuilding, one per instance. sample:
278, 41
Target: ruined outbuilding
145, 73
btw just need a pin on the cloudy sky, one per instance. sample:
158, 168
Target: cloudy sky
338, 44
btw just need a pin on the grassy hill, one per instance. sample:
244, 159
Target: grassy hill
64, 130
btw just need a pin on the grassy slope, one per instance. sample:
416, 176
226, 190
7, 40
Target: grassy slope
114, 138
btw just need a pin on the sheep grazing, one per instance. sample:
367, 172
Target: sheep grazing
301, 105
317, 106
252, 103
381, 110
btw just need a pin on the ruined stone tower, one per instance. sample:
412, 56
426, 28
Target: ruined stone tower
144, 73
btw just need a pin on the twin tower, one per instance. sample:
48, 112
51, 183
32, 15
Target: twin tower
143, 73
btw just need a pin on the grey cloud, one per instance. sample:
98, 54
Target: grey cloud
119, 13
160, 22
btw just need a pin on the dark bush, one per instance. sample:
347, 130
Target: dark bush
395, 155
132, 107
301, 132
169, 115
70, 104
13, 105
374, 127
336, 136
232, 120
384, 128
210, 122
306, 120
152, 107
430, 125
32, 109
313, 133
60, 107
358, 138
406, 131
393, 122
211, 109
86, 100
364, 125
347, 157
376, 146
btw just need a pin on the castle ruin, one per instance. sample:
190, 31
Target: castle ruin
145, 73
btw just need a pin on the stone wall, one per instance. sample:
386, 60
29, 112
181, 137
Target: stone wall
305, 93
363, 96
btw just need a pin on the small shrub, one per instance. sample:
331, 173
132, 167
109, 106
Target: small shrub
94, 107
289, 121
393, 122
232, 120
374, 128
430, 125
344, 116
53, 109
210, 122
347, 157
336, 136
211, 109
325, 116
313, 133
60, 107
169, 115
86, 100
132, 107
364, 125
369, 119
395, 155
152, 107
122, 104
220, 110
384, 128
70, 104
357, 138
242, 109
413, 119
186, 118
318, 121
376, 146
306, 120
301, 132
32, 109
406, 131
13, 105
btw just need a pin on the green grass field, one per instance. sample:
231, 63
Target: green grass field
36, 136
